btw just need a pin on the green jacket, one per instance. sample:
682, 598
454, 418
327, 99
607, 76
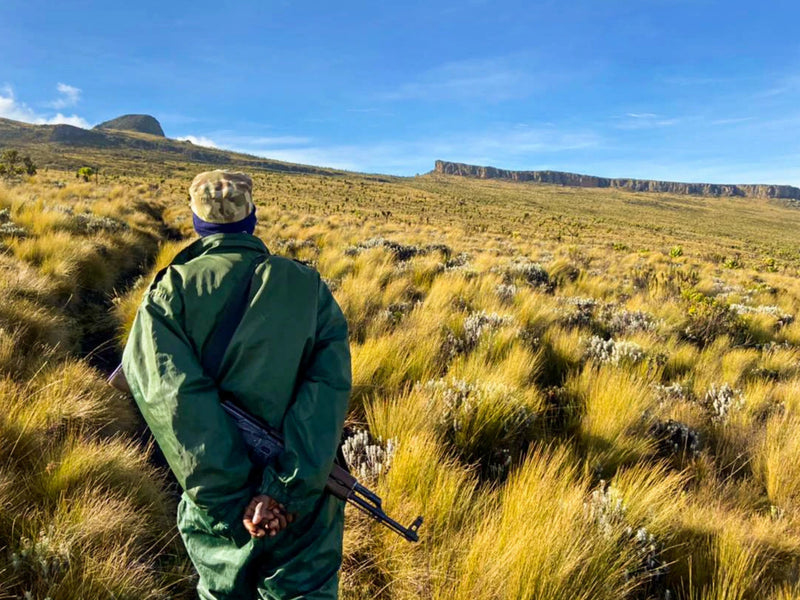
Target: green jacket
288, 363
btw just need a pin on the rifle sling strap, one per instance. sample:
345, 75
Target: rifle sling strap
221, 337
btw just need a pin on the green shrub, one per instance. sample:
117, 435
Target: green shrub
85, 172
708, 318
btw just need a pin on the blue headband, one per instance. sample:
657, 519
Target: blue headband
204, 228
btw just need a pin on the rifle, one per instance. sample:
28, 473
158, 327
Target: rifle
265, 443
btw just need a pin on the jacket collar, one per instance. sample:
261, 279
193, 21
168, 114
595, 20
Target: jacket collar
220, 242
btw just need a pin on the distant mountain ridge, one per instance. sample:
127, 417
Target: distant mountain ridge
786, 192
125, 144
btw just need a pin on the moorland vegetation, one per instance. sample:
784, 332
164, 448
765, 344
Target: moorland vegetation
589, 394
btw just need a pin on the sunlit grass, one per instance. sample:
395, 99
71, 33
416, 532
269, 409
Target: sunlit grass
469, 341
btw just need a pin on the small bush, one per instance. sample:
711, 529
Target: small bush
614, 352
488, 424
722, 400
524, 269
675, 439
708, 318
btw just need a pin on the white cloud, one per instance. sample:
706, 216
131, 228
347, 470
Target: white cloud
59, 119
70, 96
199, 141
11, 108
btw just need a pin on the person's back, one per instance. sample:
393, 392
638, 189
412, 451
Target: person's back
287, 363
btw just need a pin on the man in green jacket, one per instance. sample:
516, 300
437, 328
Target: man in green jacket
287, 363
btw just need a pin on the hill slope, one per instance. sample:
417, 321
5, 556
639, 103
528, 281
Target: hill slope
117, 151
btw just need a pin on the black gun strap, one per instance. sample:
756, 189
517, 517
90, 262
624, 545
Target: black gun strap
221, 337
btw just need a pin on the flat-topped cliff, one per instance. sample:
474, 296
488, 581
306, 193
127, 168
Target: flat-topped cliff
637, 185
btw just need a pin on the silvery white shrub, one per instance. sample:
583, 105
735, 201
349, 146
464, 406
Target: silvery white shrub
457, 403
722, 400
458, 400
607, 509
292, 245
613, 352
723, 289
774, 311
672, 392
11, 229
333, 284
401, 252
773, 346
396, 312
578, 310
626, 322
675, 438
524, 268
47, 558
506, 292
368, 458
443, 249
91, 224
482, 322
460, 262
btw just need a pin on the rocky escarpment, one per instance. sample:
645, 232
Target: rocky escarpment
637, 185
137, 123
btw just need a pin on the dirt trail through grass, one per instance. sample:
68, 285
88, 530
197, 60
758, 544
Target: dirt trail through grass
84, 513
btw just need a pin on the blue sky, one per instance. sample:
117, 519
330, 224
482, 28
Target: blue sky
688, 90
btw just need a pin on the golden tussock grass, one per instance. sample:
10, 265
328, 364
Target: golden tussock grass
472, 305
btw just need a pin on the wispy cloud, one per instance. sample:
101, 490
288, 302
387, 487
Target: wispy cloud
11, 108
490, 79
645, 120
782, 86
732, 121
520, 145
255, 141
69, 96
683, 80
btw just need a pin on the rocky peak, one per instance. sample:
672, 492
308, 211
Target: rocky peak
138, 123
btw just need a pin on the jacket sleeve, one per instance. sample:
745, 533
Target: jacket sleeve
313, 424
181, 405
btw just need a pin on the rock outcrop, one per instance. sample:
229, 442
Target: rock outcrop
637, 185
138, 123
76, 136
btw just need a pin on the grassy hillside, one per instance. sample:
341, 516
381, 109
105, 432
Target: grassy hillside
115, 152
588, 393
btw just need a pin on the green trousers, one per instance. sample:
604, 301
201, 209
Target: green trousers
302, 561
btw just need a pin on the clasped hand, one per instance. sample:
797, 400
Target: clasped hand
264, 516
